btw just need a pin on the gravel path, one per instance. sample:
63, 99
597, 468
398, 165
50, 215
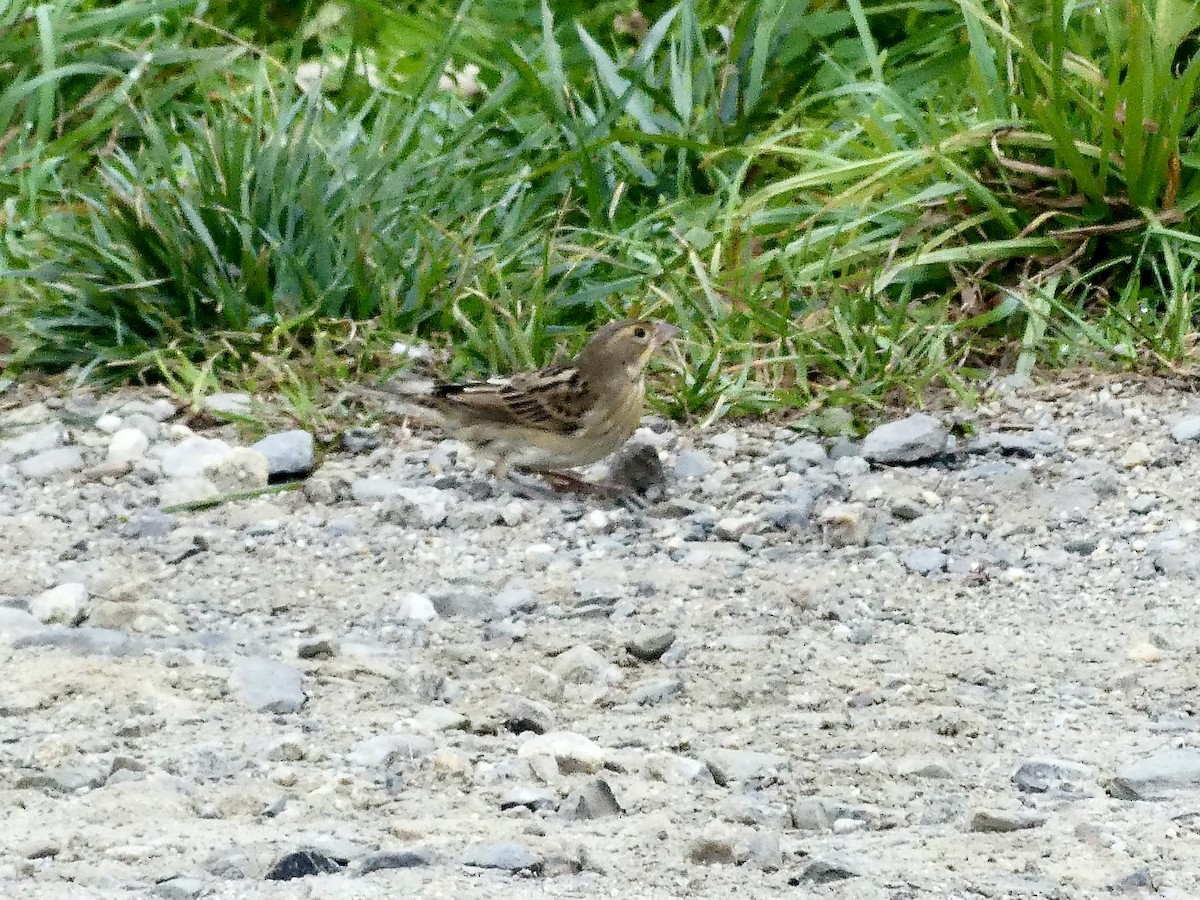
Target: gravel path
917, 666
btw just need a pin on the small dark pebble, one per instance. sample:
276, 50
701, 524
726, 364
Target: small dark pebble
650, 646
302, 864
822, 872
399, 859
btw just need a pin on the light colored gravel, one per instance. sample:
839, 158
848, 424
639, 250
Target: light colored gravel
797, 674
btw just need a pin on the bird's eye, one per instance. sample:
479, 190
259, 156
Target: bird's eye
640, 333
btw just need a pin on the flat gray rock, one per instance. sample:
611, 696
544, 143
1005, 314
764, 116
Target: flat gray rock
267, 686
511, 857
287, 452
1186, 430
916, 438
51, 463
1158, 774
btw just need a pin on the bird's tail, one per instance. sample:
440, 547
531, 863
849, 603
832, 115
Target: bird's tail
408, 397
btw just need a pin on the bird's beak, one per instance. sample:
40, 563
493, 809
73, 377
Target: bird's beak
663, 333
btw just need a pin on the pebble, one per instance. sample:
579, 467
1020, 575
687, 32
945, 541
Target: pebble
386, 750
534, 799
191, 457
242, 469
593, 800
1042, 776
416, 608
181, 888
37, 440
916, 438
301, 864
51, 463
572, 753
65, 604
1158, 775
287, 452
229, 404
649, 646
1000, 821
1186, 429
1136, 454
744, 765
822, 871
583, 665
265, 685
692, 464
511, 857
127, 445
394, 859
926, 561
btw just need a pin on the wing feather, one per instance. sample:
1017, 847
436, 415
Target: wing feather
553, 399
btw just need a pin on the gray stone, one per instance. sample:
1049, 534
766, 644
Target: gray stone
799, 456
594, 800
228, 404
420, 507
573, 753
385, 751
1158, 775
180, 888
325, 648
50, 463
265, 685
301, 864
65, 604
766, 851
460, 600
649, 646
926, 561
743, 765
1138, 881
638, 467
83, 640
656, 691
812, 814
16, 624
916, 438
372, 490
515, 599
357, 439
1037, 442
693, 464
822, 871
416, 608
37, 440
394, 859
1000, 821
581, 665
287, 452
1186, 430
599, 587
522, 714
710, 851
1042, 776
159, 409
510, 857
534, 799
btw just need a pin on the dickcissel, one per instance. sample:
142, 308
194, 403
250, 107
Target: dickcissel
569, 414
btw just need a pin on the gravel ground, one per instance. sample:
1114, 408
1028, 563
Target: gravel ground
917, 666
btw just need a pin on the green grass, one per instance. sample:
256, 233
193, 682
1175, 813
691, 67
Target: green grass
842, 203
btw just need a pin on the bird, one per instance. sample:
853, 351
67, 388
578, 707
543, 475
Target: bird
569, 414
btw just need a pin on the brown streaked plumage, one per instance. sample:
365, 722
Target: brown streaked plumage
570, 414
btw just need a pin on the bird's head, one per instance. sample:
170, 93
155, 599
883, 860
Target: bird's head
624, 348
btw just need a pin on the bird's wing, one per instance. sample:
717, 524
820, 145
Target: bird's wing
553, 399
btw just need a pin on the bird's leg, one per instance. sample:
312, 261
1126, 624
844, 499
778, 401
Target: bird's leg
530, 490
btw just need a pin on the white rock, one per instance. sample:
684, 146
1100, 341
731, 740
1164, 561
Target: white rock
242, 469
1137, 454
194, 489
232, 404
40, 439
191, 456
572, 752
417, 608
63, 604
127, 444
50, 463
108, 423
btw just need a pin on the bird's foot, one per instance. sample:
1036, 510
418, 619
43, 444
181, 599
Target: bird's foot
565, 482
